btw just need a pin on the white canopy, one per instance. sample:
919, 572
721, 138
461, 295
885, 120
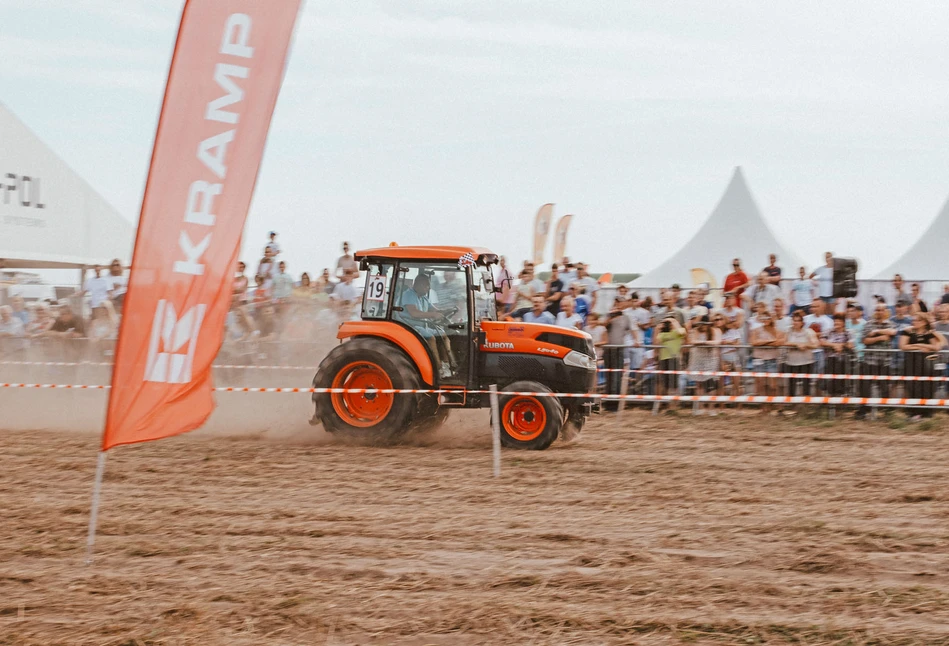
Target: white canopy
927, 259
49, 216
735, 229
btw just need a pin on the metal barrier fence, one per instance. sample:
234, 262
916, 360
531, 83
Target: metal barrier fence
786, 371
647, 374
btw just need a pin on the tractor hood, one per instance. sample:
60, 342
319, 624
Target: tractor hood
534, 338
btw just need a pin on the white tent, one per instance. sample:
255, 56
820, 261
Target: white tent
735, 229
927, 259
49, 216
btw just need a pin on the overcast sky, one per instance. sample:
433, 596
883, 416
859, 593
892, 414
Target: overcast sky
452, 122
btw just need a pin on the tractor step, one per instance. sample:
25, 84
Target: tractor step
452, 398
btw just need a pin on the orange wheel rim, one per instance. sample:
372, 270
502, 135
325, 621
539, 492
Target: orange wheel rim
524, 418
362, 409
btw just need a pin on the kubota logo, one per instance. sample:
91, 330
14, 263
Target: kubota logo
498, 345
166, 361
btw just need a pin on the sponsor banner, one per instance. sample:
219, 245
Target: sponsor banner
560, 237
541, 231
223, 83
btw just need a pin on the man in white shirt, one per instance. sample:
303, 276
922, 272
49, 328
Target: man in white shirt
802, 292
567, 316
346, 262
639, 317
98, 287
763, 292
825, 278
822, 325
692, 308
537, 285
590, 284
568, 271
272, 245
345, 296
282, 283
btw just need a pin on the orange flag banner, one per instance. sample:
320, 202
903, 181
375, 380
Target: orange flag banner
560, 237
541, 231
225, 75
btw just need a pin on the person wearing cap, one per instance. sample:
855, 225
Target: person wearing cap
272, 245
902, 319
737, 281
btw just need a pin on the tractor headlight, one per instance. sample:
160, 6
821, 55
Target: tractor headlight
579, 360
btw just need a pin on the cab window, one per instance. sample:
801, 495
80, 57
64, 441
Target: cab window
375, 300
486, 305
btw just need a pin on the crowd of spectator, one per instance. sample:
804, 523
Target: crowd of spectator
758, 328
760, 325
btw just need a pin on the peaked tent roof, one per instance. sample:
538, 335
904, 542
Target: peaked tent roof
735, 229
49, 216
925, 260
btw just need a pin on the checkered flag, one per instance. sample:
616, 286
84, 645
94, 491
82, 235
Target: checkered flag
467, 260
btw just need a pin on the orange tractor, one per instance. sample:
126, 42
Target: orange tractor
429, 322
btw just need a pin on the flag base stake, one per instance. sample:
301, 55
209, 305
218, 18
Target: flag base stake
94, 510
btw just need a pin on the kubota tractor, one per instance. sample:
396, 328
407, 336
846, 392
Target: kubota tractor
429, 321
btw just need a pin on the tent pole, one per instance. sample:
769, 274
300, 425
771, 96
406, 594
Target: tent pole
94, 510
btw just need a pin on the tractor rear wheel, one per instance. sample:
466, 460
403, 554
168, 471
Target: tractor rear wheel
529, 421
366, 363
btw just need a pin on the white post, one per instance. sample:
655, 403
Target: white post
623, 390
496, 430
94, 511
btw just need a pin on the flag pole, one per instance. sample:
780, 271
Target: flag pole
94, 510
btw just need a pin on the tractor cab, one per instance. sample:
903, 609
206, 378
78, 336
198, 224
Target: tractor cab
440, 295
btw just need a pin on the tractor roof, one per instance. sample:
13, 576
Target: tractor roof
452, 254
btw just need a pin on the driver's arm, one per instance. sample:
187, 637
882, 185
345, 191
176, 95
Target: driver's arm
416, 313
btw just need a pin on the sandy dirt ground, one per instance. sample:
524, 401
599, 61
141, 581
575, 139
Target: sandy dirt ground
660, 529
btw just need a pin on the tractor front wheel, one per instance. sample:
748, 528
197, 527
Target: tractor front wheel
529, 421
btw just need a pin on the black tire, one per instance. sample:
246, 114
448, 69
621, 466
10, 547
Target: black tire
529, 422
372, 356
573, 426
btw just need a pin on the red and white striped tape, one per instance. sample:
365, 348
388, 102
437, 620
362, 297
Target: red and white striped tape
780, 375
696, 373
108, 364
729, 399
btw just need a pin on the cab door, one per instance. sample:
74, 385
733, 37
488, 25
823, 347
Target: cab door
447, 338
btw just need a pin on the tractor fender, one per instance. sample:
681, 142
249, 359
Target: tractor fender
396, 334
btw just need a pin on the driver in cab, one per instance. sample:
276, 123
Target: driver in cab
418, 311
